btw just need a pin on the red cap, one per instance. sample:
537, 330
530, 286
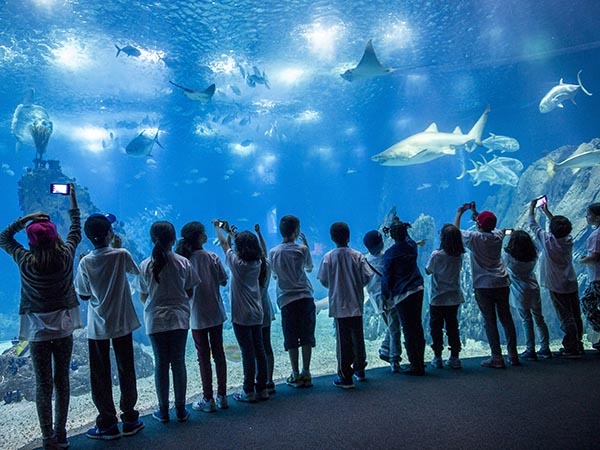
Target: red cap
486, 220
41, 233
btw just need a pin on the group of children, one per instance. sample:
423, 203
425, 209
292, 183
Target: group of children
181, 290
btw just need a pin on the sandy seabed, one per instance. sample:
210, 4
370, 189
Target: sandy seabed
19, 426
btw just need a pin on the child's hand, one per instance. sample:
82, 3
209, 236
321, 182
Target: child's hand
421, 243
117, 242
257, 228
303, 239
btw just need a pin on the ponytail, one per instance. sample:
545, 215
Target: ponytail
163, 237
190, 239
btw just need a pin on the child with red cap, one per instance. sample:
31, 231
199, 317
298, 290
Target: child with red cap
491, 282
49, 311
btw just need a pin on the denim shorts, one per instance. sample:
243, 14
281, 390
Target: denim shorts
298, 320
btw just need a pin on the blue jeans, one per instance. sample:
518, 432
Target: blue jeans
493, 304
391, 346
169, 352
254, 358
527, 317
45, 355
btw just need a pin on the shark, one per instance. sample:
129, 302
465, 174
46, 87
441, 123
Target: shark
368, 66
561, 93
430, 144
198, 96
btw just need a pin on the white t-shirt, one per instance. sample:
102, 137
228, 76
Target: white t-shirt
556, 261
524, 288
374, 285
207, 305
445, 279
593, 246
345, 272
37, 327
487, 267
168, 305
102, 276
290, 262
246, 302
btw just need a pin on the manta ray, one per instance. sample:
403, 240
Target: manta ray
369, 66
198, 96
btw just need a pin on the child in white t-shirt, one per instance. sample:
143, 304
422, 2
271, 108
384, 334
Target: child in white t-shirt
444, 266
591, 298
345, 272
207, 315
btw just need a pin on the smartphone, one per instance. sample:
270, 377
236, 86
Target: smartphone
220, 223
508, 231
60, 188
541, 201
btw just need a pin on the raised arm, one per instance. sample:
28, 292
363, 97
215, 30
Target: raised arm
261, 240
223, 241
546, 211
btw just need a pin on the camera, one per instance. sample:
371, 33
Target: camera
541, 201
220, 223
60, 188
508, 231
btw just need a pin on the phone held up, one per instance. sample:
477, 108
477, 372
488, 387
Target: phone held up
541, 201
60, 188
508, 231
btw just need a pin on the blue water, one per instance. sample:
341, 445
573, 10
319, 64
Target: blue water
310, 137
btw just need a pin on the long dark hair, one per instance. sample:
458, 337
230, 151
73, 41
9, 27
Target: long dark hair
521, 247
399, 230
247, 246
190, 239
47, 259
451, 240
163, 237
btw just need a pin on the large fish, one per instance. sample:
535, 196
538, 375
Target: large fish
198, 96
585, 159
129, 50
369, 66
27, 115
561, 93
141, 146
500, 143
430, 144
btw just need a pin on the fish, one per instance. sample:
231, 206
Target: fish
246, 143
235, 89
129, 50
256, 77
586, 159
245, 121
25, 115
424, 186
430, 144
368, 66
561, 93
198, 96
141, 146
228, 118
495, 172
500, 143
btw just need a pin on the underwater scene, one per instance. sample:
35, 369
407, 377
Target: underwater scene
353, 111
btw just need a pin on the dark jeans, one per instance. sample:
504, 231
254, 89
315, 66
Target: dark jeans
493, 304
254, 359
438, 315
44, 355
266, 336
350, 346
527, 318
569, 314
101, 380
210, 341
169, 352
410, 310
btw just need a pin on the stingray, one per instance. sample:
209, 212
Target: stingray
369, 66
31, 124
198, 96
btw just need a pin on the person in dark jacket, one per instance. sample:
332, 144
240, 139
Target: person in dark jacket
49, 311
402, 289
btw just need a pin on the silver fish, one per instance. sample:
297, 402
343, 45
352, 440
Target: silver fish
141, 146
561, 93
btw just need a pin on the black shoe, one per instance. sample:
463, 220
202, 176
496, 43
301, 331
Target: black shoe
414, 371
569, 354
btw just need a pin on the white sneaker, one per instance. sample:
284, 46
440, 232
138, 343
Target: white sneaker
205, 405
437, 362
222, 402
454, 362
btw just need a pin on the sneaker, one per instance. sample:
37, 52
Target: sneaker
437, 362
570, 354
395, 367
513, 360
131, 428
412, 371
544, 354
384, 356
162, 417
295, 380
246, 397
222, 402
50, 443
529, 355
344, 384
262, 395
205, 405
182, 414
105, 434
271, 388
360, 375
454, 362
306, 378
494, 362
61, 439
